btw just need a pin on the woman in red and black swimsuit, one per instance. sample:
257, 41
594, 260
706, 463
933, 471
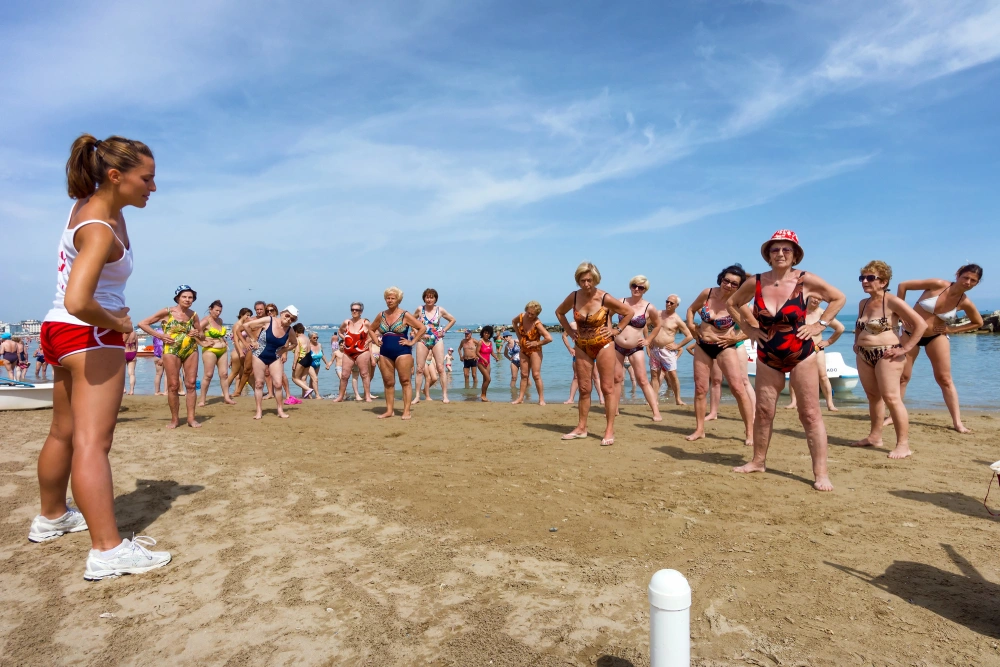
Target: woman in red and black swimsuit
785, 345
354, 331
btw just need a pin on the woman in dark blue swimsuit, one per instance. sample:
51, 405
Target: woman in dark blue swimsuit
390, 330
275, 338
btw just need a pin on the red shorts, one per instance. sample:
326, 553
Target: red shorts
60, 339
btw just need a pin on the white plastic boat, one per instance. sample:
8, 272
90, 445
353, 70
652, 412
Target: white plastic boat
25, 396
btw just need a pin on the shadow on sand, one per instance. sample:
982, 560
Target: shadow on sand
966, 599
137, 510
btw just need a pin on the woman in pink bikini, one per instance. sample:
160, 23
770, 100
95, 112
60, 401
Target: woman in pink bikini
131, 351
82, 338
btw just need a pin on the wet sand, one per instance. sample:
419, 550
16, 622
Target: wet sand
336, 538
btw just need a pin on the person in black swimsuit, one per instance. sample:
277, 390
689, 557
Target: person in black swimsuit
785, 345
716, 339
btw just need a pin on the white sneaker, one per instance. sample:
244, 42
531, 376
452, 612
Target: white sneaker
129, 558
43, 530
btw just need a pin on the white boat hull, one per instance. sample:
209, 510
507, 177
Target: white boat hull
35, 397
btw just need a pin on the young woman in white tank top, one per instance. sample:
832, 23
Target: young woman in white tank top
939, 304
82, 338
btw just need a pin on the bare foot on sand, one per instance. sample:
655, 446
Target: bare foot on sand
541, 402
866, 442
202, 404
385, 415
405, 417
748, 441
194, 424
750, 467
657, 418
569, 402
173, 424
484, 399
283, 414
823, 484
961, 428
228, 401
887, 421
697, 435
901, 451
443, 400
680, 402
711, 417
516, 401
833, 408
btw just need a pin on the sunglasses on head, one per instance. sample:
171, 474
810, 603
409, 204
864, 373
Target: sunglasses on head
867, 278
641, 288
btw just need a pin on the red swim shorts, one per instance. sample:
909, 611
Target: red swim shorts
60, 339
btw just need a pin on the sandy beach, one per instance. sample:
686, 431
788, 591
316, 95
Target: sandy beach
334, 538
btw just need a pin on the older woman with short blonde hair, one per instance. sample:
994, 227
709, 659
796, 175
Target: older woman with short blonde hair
638, 333
531, 336
594, 337
390, 330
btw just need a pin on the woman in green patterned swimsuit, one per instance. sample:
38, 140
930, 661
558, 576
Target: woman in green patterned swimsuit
180, 333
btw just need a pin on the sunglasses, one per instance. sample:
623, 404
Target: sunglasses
867, 278
671, 303
784, 251
355, 310
641, 288
732, 283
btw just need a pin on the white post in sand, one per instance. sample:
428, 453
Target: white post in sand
669, 620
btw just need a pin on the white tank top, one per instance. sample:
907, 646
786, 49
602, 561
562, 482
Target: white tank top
110, 291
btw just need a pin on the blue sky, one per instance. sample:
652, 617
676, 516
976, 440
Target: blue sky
316, 153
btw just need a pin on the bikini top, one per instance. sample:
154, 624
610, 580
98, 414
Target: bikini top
399, 327
532, 333
724, 322
212, 332
595, 320
639, 321
873, 326
930, 303
792, 314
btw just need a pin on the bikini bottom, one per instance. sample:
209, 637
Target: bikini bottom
924, 340
711, 349
871, 354
628, 352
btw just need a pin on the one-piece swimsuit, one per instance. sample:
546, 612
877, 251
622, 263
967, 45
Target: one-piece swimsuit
783, 350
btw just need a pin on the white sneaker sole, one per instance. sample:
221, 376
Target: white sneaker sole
48, 536
107, 574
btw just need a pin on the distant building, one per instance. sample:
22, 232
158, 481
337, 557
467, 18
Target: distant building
31, 327
4, 327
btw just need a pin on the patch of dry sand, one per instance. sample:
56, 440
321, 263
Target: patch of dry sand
335, 538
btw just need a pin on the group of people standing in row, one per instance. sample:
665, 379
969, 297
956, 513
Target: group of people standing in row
83, 338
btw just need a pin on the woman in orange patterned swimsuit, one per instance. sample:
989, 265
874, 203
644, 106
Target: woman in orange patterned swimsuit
785, 345
594, 336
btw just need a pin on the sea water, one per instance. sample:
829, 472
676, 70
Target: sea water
975, 362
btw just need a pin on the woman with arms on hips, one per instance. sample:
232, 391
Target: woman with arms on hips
636, 336
594, 337
82, 340
785, 345
512, 352
274, 339
881, 354
431, 315
180, 331
215, 352
390, 329
357, 351
717, 336
939, 303
531, 336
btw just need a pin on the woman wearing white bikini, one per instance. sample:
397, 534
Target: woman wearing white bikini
82, 338
939, 303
